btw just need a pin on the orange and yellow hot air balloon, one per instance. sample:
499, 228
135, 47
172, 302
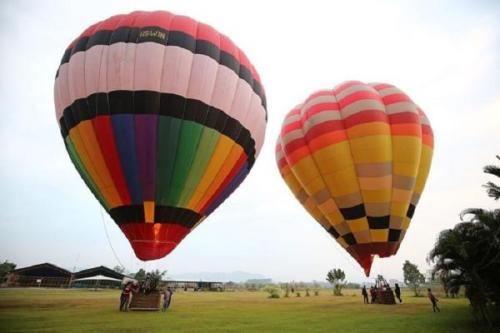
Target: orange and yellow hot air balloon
357, 158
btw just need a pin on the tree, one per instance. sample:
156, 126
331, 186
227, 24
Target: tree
445, 277
5, 268
469, 256
336, 277
156, 277
492, 189
149, 280
140, 275
119, 269
412, 277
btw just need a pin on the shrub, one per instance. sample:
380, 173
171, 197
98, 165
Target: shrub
272, 291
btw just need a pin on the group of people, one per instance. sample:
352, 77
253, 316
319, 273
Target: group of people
131, 288
148, 284
397, 293
373, 293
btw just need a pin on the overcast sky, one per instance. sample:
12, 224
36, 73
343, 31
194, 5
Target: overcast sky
444, 54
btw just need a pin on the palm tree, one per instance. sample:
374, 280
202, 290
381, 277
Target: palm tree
336, 277
492, 189
469, 255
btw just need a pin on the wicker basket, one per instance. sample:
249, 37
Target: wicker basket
145, 302
383, 292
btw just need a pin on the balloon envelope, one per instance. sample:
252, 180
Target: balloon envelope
357, 158
163, 117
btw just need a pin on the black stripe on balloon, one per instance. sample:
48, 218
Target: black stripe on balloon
349, 239
411, 211
152, 102
333, 232
163, 214
164, 37
186, 217
378, 222
394, 235
352, 213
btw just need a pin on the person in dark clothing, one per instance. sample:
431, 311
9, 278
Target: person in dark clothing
397, 291
125, 296
167, 297
365, 295
433, 300
147, 284
373, 294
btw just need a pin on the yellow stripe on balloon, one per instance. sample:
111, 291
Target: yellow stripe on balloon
221, 152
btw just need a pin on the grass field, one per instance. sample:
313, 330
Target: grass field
50, 310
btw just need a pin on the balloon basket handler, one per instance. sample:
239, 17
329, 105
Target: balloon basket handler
384, 293
145, 302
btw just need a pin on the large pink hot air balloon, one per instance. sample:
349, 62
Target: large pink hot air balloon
163, 117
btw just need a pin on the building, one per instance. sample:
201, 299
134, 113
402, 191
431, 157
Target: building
99, 270
195, 285
259, 281
98, 277
52, 276
42, 275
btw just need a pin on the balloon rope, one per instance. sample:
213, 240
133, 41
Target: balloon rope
344, 255
107, 236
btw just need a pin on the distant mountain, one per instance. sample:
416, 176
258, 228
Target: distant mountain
237, 276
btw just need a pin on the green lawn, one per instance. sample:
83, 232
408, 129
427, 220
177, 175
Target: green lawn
50, 310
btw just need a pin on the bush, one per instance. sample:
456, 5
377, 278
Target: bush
316, 293
272, 291
307, 292
298, 295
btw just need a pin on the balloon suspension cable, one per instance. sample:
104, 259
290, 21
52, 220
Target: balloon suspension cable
109, 240
379, 267
345, 256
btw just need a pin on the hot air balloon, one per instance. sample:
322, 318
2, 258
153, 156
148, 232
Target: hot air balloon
357, 158
163, 117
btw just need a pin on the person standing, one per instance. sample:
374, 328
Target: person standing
147, 284
397, 291
433, 300
167, 297
365, 295
373, 294
125, 296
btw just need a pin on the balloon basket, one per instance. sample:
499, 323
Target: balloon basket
145, 302
385, 296
383, 292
